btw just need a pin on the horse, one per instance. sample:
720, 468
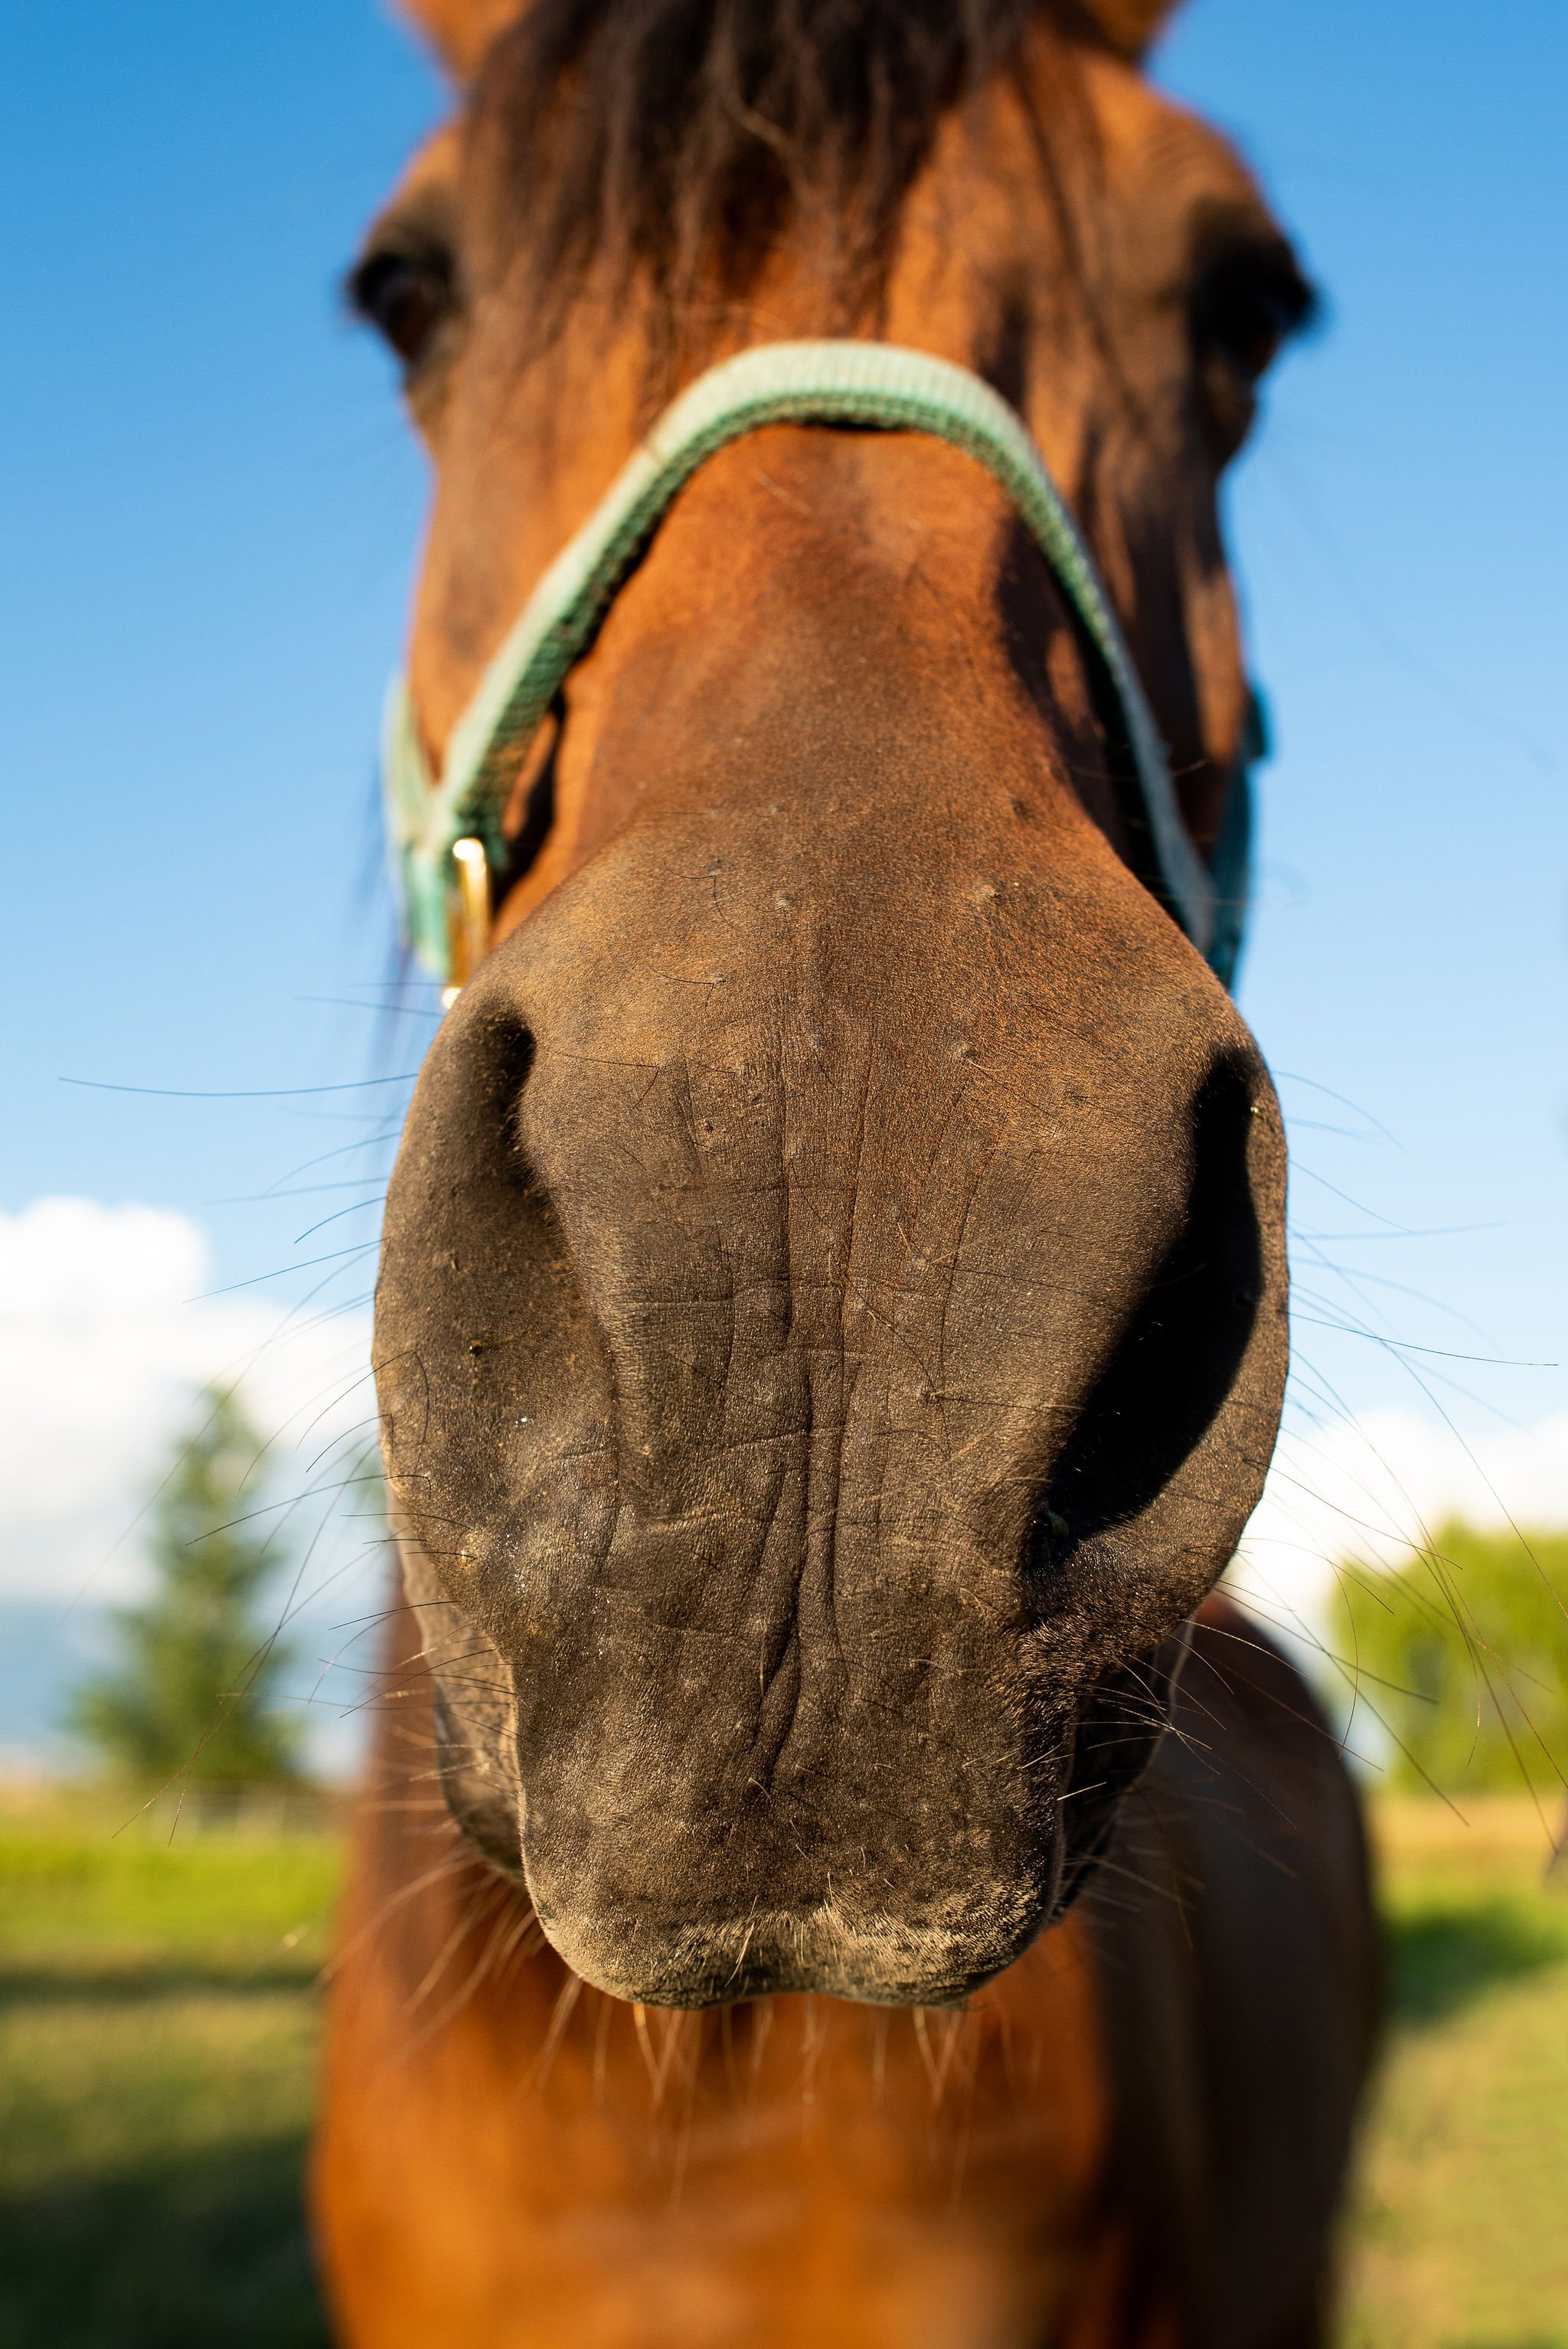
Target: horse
834, 1867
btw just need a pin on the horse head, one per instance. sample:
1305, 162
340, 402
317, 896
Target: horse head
831, 1325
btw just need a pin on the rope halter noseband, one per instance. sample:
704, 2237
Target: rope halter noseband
446, 835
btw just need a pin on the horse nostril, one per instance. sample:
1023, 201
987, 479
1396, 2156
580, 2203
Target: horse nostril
480, 1322
500, 1057
1178, 1358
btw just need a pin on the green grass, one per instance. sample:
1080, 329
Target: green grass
158, 2031
156, 2052
1458, 2237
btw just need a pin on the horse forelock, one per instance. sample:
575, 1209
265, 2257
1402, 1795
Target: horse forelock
676, 140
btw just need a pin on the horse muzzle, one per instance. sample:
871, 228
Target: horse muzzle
828, 1344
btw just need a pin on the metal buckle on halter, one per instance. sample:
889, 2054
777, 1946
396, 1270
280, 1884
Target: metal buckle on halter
468, 916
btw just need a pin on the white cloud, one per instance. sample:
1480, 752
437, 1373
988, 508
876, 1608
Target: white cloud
104, 1336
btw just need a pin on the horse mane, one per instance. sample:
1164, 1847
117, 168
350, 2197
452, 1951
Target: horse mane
676, 138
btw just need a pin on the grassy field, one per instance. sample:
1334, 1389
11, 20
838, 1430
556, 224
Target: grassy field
1460, 2234
157, 2038
157, 2045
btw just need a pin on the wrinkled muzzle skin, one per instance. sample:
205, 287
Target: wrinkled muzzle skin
831, 1335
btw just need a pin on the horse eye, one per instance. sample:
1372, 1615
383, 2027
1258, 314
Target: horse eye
1246, 305
405, 296
1243, 306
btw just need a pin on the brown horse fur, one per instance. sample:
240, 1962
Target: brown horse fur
832, 1315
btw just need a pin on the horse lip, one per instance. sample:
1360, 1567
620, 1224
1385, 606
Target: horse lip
877, 1960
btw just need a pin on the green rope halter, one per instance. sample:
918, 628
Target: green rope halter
847, 383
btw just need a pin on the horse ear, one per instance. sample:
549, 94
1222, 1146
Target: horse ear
460, 31
1128, 26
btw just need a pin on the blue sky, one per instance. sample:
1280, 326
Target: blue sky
208, 510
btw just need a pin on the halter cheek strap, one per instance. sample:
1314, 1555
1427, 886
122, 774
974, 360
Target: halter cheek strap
446, 835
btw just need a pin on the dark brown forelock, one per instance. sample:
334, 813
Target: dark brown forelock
676, 138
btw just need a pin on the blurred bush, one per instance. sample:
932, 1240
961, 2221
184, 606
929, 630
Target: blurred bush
1462, 1655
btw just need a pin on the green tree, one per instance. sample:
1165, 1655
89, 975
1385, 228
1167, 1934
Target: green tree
192, 1690
1463, 1655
